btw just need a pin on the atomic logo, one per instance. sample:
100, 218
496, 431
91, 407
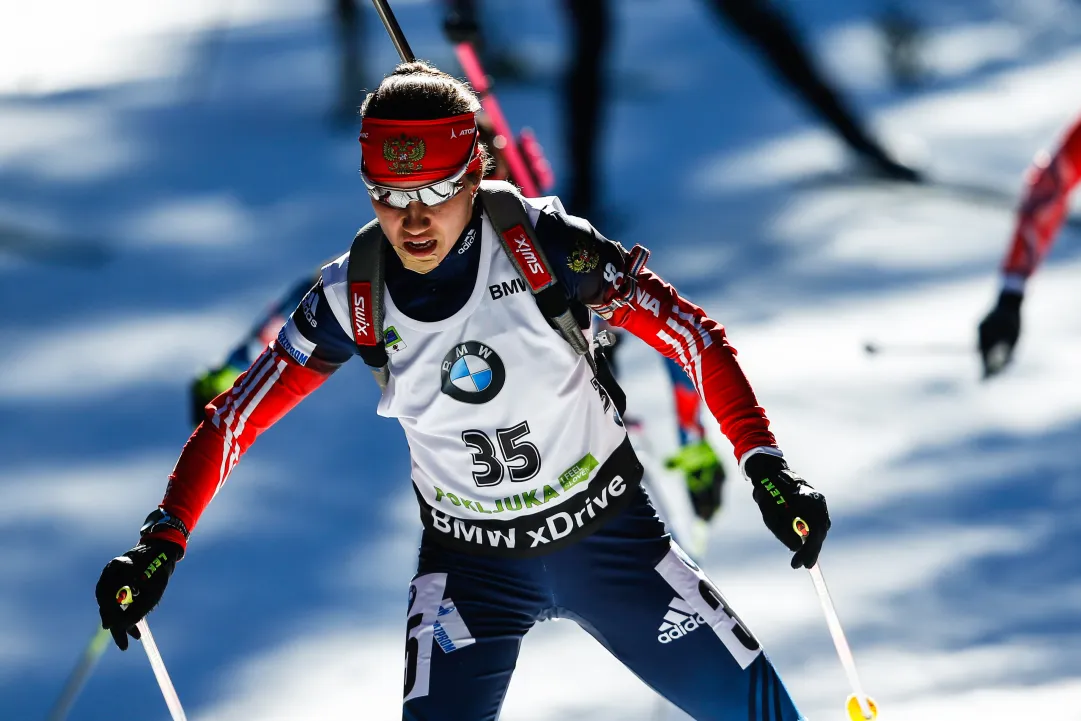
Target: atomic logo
472, 373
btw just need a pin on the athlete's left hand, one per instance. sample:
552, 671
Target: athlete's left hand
783, 497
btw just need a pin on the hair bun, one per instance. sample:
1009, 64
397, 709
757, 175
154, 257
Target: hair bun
417, 67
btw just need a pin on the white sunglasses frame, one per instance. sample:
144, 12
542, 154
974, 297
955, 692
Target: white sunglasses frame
430, 195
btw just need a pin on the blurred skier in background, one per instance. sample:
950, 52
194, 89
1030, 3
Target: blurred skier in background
1049, 182
695, 460
760, 23
763, 25
349, 29
527, 485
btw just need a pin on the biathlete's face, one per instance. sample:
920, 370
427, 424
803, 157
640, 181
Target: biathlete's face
422, 235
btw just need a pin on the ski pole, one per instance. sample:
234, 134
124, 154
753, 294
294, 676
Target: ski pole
124, 597
948, 349
394, 30
859, 705
98, 642
468, 58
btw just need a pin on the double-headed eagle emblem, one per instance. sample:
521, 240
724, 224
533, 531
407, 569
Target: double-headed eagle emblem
584, 257
403, 154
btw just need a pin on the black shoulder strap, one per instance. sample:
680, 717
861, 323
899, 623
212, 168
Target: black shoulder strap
508, 215
365, 276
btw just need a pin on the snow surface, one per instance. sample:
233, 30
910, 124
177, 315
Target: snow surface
178, 166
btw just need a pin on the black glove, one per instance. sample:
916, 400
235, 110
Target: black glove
783, 497
144, 569
999, 332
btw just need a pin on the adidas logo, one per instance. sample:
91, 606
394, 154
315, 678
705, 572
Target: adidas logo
680, 620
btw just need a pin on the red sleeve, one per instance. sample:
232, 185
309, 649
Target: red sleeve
681, 331
1047, 190
268, 390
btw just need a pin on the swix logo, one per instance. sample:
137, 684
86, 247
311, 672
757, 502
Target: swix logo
647, 302
528, 258
680, 620
360, 316
525, 249
361, 299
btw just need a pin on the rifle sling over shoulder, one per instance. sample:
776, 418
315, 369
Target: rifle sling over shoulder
507, 212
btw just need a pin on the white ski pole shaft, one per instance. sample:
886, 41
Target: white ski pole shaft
837, 633
166, 684
844, 652
124, 596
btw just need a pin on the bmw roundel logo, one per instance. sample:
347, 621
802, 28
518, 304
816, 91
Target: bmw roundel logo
472, 373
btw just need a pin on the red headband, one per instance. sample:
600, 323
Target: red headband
418, 150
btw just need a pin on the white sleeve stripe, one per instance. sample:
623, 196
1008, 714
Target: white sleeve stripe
240, 393
251, 382
679, 348
228, 411
233, 447
224, 415
691, 342
258, 397
694, 326
234, 455
692, 350
675, 344
706, 342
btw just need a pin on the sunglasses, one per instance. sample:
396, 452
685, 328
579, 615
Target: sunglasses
434, 194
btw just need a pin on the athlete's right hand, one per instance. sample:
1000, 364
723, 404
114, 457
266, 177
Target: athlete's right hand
144, 569
999, 331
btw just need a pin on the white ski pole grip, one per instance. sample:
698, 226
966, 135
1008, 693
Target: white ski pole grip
860, 706
124, 597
